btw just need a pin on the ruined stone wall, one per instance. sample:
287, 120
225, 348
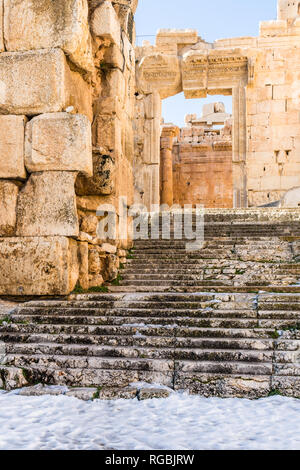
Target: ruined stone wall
66, 107
202, 167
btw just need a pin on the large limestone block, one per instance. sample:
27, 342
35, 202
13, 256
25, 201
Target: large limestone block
105, 23
8, 207
159, 73
47, 205
39, 82
59, 142
12, 134
38, 266
42, 24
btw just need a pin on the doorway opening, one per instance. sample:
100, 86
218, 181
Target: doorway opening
202, 152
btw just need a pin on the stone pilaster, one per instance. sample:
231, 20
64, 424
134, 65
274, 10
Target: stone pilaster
169, 132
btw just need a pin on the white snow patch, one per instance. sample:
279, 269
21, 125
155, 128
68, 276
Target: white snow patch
180, 422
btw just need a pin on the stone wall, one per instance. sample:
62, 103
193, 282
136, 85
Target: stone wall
273, 121
66, 140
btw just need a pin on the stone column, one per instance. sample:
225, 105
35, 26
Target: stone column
169, 132
239, 146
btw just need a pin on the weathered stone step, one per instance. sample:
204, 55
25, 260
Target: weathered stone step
105, 299
224, 385
136, 322
82, 333
154, 365
200, 284
197, 321
173, 283
235, 266
221, 368
89, 362
182, 256
199, 262
280, 315
277, 306
257, 344
78, 355
212, 288
88, 377
86, 315
81, 344
204, 275
238, 231
215, 241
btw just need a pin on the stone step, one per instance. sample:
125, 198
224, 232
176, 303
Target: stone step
234, 302
78, 354
219, 385
197, 283
233, 230
137, 342
212, 288
83, 333
157, 246
82, 316
84, 342
61, 363
234, 265
180, 256
124, 321
203, 275
173, 283
221, 368
283, 306
136, 322
89, 377
196, 262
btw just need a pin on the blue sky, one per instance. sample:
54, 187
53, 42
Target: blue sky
214, 19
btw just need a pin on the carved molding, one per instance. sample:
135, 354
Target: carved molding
197, 73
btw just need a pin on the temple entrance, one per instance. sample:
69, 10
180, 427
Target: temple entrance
202, 167
182, 62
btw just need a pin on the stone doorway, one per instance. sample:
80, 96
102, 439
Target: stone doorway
201, 170
183, 62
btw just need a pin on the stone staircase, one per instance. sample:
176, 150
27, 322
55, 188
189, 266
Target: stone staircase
223, 321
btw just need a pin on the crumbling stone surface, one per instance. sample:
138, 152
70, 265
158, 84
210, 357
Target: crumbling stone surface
103, 179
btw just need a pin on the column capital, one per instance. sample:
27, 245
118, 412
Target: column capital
170, 130
168, 134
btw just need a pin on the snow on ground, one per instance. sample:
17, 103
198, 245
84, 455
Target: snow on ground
178, 422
